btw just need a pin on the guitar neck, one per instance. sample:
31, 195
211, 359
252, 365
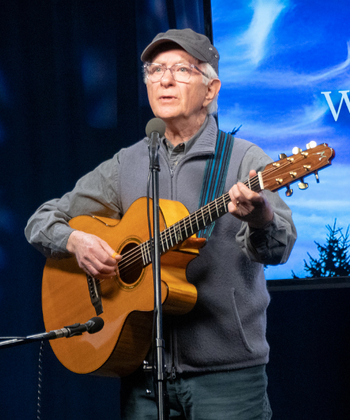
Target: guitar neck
193, 223
275, 176
201, 218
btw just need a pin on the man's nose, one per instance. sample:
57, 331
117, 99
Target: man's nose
168, 76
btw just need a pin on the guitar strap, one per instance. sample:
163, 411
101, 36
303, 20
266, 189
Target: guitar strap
215, 174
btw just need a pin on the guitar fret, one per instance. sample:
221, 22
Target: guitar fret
149, 251
171, 240
261, 182
175, 235
217, 209
162, 243
143, 254
211, 219
219, 206
179, 237
203, 216
197, 220
191, 224
225, 203
166, 239
187, 235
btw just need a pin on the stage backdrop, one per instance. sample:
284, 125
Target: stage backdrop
285, 70
71, 95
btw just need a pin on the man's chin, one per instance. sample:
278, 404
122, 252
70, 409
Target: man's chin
166, 116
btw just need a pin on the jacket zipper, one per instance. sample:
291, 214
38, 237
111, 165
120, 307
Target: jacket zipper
173, 370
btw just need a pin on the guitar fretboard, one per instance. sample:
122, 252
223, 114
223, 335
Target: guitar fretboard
183, 229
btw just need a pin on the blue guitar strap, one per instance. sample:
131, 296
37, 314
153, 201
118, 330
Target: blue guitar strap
215, 175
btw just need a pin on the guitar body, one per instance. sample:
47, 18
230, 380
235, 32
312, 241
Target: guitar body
127, 301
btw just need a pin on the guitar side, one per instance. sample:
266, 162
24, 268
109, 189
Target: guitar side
121, 346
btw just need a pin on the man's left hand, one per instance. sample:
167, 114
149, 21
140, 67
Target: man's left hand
249, 206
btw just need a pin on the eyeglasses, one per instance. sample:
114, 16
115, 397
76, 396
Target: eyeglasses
180, 72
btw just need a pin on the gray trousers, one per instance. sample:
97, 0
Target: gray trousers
232, 395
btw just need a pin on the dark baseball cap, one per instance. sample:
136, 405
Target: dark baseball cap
196, 44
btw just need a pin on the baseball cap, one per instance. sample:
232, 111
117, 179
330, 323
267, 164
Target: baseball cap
196, 44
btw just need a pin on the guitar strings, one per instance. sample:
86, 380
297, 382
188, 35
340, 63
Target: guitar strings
166, 236
186, 224
169, 234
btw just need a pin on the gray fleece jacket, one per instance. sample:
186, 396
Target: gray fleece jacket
226, 329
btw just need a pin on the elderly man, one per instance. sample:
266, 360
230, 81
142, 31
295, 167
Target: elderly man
216, 354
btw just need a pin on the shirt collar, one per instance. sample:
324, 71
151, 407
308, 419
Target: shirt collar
186, 145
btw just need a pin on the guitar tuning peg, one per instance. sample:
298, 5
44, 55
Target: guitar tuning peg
282, 156
303, 185
317, 178
296, 150
289, 192
311, 145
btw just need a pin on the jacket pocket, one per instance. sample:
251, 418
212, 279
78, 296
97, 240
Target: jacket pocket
238, 322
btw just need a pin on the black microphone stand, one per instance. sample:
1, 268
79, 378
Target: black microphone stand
159, 341
17, 341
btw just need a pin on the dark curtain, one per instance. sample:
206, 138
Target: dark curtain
71, 95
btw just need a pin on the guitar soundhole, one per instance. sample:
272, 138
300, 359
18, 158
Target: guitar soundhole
131, 272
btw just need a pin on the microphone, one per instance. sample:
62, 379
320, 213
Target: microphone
155, 126
92, 326
155, 129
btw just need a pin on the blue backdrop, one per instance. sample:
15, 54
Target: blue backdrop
285, 72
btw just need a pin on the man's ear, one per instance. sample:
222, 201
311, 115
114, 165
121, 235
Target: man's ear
213, 88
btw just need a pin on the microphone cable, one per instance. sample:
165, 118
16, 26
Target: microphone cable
40, 380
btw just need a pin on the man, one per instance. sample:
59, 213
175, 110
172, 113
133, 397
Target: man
216, 354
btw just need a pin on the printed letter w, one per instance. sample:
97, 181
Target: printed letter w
344, 97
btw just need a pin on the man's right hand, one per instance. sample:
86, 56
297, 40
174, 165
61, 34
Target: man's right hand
93, 254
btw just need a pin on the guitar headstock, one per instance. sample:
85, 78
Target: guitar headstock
296, 167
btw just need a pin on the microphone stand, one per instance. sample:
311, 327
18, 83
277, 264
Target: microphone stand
17, 341
159, 341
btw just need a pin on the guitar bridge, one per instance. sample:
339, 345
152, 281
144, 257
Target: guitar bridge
95, 294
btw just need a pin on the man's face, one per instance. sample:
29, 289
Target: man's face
174, 101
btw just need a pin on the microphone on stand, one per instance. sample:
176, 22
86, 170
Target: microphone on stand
155, 130
155, 126
92, 326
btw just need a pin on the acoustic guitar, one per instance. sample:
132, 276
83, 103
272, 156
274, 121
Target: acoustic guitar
126, 302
